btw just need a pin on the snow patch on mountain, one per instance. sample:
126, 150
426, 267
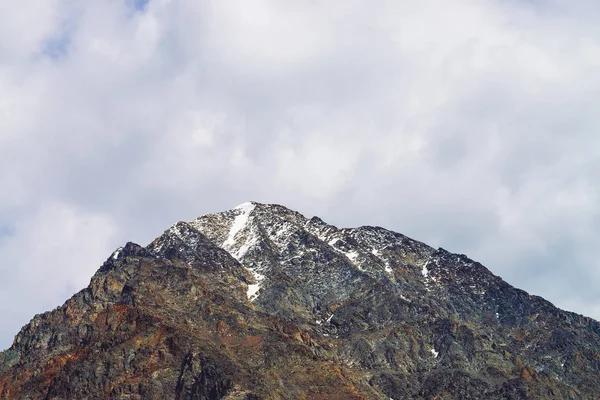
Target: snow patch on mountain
238, 224
425, 271
386, 264
115, 254
253, 289
387, 268
352, 256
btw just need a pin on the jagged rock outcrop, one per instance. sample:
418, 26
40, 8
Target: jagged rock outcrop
260, 302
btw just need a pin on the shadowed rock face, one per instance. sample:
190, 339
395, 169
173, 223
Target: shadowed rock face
260, 302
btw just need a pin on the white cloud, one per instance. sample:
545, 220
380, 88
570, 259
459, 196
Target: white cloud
470, 125
50, 255
25, 27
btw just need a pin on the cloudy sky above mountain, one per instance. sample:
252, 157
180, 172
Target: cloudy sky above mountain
470, 125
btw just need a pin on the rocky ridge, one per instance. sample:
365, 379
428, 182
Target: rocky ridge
260, 302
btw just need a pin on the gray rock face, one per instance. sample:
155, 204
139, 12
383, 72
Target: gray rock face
261, 302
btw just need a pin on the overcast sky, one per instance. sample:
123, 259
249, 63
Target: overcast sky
471, 125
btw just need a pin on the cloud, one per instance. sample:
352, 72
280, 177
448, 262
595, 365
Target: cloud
468, 125
50, 254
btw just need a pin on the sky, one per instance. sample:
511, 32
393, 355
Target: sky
470, 125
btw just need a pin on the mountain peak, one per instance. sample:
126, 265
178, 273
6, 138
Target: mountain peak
262, 302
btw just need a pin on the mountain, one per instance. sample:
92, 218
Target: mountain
259, 302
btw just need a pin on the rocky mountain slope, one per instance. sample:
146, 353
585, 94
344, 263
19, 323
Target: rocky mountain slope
260, 302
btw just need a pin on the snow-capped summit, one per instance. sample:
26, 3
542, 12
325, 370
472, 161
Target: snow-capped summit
262, 302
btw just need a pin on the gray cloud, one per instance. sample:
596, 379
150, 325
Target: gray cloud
469, 125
